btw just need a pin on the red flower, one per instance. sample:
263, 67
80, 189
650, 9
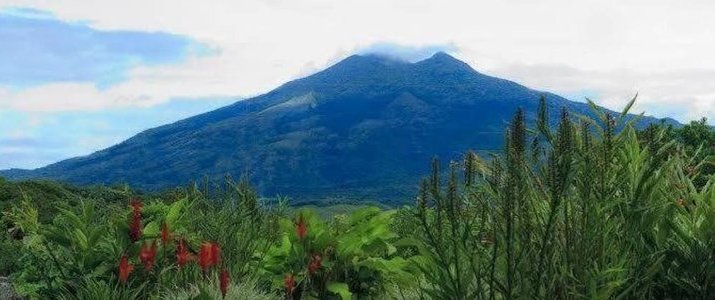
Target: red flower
315, 263
183, 256
205, 256
209, 255
289, 283
147, 254
223, 280
125, 268
135, 224
135, 228
165, 234
301, 229
215, 254
136, 205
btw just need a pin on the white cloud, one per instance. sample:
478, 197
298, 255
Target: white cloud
662, 49
687, 94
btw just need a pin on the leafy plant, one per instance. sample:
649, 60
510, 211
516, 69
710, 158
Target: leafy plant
353, 256
587, 212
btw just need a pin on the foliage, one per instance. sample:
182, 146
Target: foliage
576, 207
587, 212
353, 255
696, 139
83, 251
209, 290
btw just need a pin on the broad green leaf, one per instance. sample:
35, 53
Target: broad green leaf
341, 289
152, 229
175, 211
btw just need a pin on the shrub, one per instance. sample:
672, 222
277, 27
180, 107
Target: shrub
354, 255
587, 212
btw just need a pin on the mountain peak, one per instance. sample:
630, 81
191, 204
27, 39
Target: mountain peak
356, 62
386, 59
372, 58
445, 62
439, 60
441, 55
361, 129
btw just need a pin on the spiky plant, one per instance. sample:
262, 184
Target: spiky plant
592, 212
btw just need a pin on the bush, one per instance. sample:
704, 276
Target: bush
352, 256
587, 212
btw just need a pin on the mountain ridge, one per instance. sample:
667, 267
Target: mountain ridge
324, 136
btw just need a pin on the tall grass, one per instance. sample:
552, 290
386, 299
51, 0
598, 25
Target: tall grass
585, 211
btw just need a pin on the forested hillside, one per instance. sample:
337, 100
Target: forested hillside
359, 130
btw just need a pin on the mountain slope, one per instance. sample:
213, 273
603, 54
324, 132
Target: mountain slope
364, 128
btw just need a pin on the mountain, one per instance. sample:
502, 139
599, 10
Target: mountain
362, 129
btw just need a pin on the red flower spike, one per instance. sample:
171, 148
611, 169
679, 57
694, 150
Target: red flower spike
301, 229
206, 255
147, 253
223, 280
183, 256
315, 263
215, 254
125, 268
135, 224
165, 235
289, 284
136, 205
135, 227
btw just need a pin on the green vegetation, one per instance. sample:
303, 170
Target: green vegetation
589, 209
697, 139
362, 129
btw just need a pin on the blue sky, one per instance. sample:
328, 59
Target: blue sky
32, 139
76, 77
38, 49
